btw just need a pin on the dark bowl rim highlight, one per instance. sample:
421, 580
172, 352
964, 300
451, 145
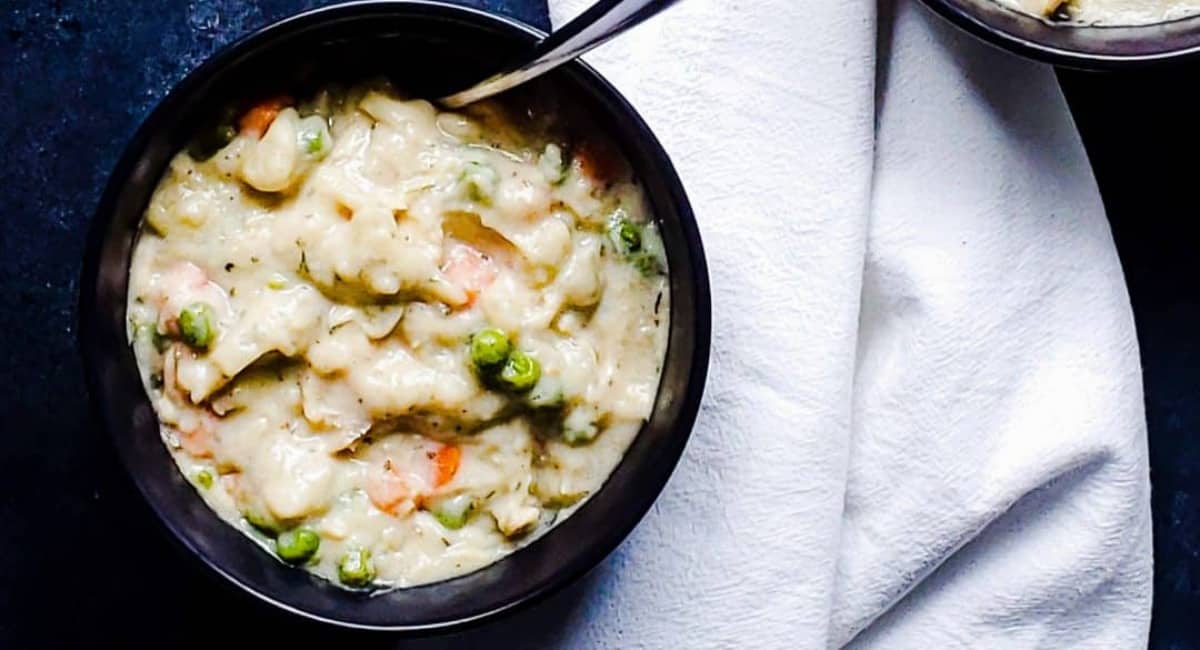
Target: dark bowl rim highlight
99, 231
969, 16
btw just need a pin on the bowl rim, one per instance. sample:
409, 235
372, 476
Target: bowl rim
101, 222
962, 13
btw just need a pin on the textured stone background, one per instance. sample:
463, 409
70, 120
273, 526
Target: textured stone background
81, 558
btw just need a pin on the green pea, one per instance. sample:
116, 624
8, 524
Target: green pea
489, 348
355, 569
297, 545
204, 479
265, 523
197, 326
520, 372
625, 235
454, 511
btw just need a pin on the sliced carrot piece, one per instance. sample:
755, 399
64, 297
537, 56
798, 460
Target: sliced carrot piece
446, 464
256, 120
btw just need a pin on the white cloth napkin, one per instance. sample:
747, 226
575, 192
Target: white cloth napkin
923, 425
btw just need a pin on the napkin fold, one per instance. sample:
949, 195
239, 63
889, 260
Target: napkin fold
923, 425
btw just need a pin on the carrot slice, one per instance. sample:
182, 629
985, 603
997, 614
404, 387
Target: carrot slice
446, 463
256, 120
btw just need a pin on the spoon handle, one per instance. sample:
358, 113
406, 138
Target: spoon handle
600, 22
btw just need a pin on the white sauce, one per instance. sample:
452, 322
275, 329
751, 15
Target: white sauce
347, 258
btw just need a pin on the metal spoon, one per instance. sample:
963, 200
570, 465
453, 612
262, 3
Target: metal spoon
600, 22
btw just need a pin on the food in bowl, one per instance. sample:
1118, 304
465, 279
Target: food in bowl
392, 344
1108, 12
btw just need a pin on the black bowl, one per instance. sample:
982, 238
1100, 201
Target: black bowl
1075, 46
420, 45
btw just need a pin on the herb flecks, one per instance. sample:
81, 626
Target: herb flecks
303, 268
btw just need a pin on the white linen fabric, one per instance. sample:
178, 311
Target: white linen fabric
923, 426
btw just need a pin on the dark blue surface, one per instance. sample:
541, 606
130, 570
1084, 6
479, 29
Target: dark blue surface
81, 559
1140, 135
